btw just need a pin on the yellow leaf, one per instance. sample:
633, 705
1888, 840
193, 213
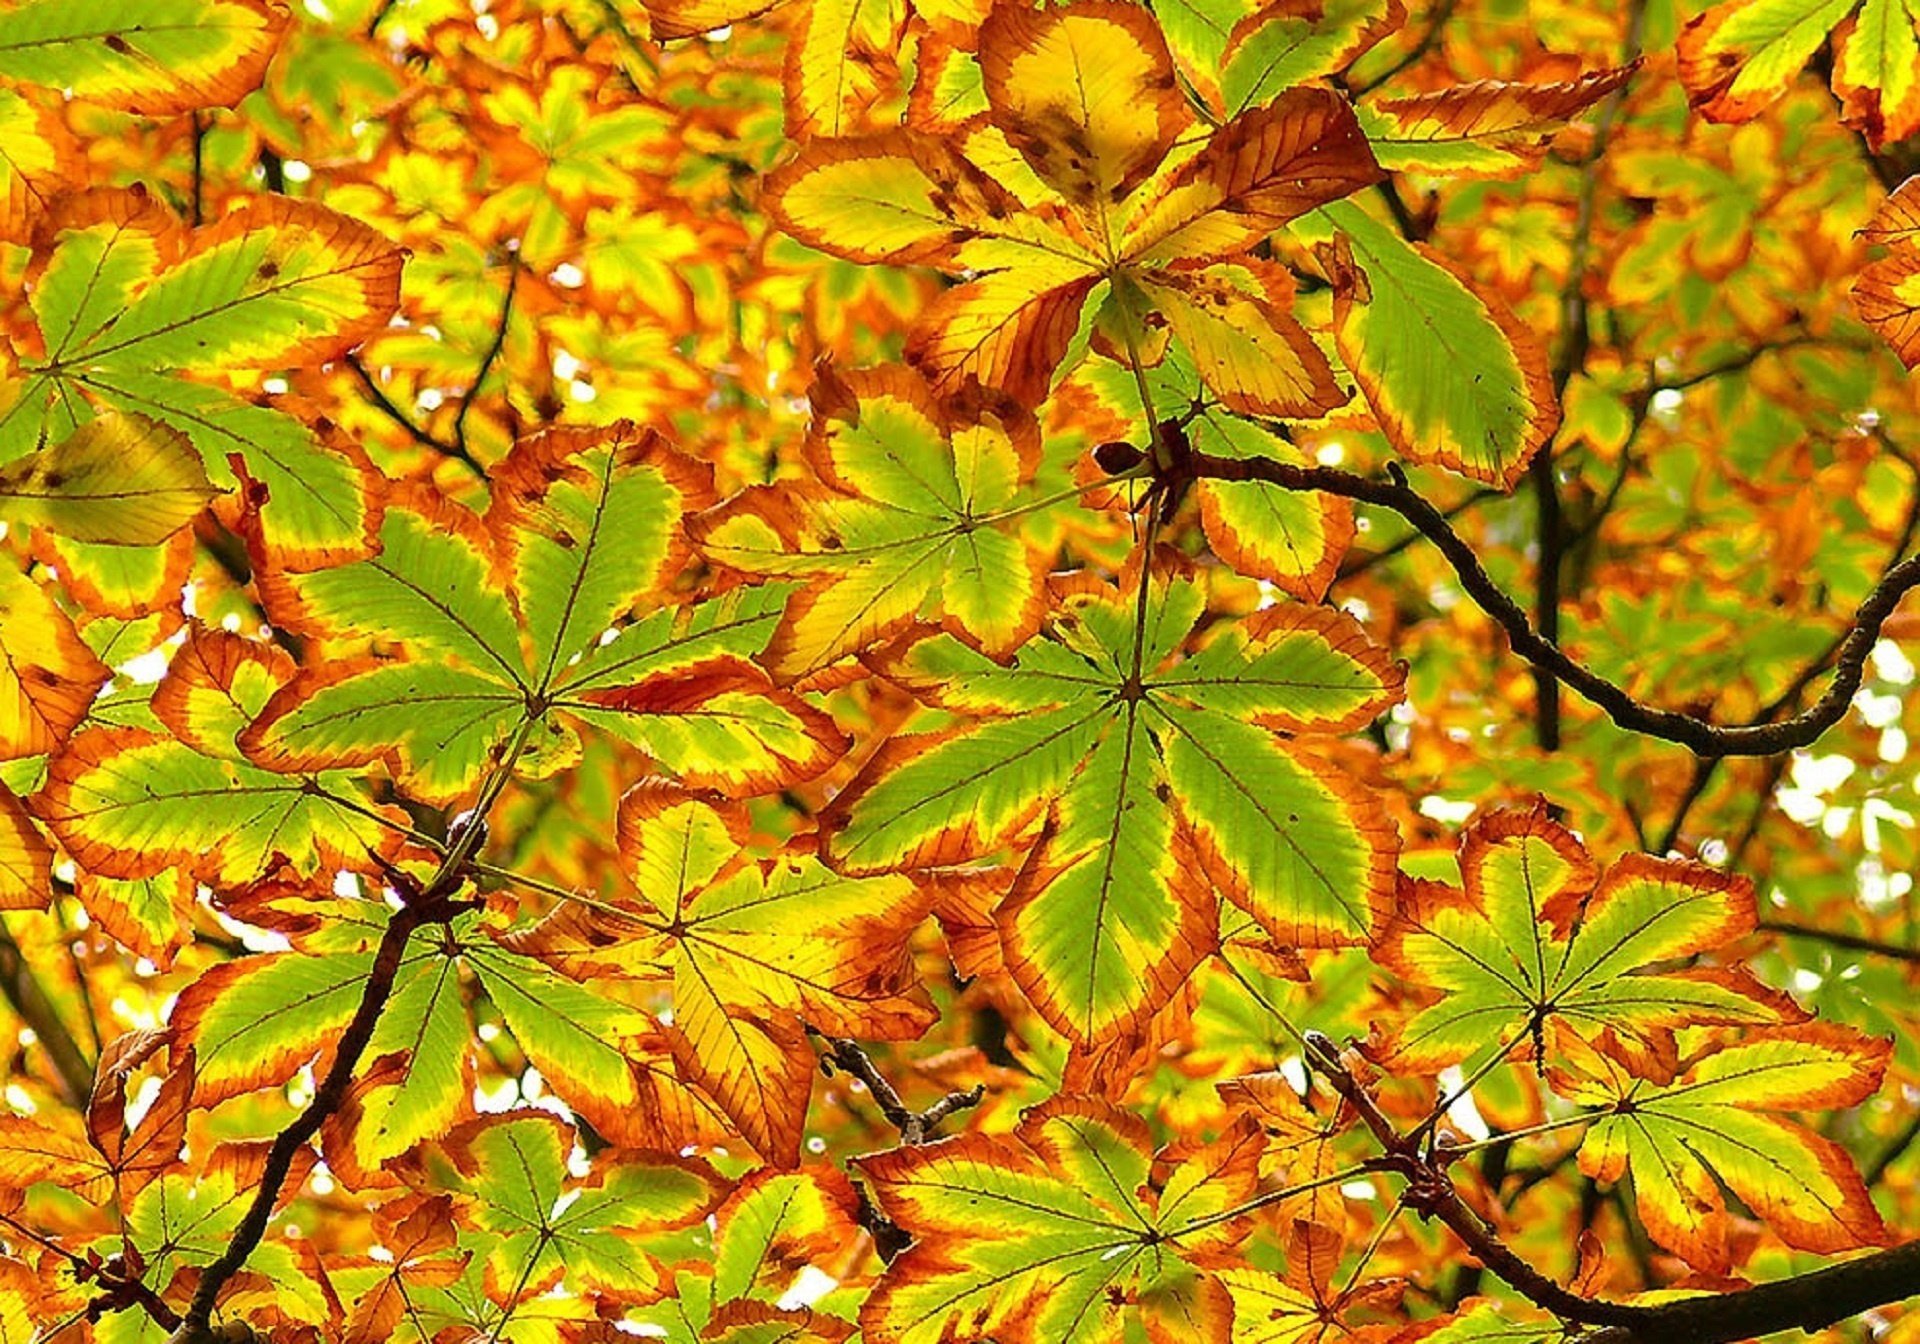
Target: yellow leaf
119, 480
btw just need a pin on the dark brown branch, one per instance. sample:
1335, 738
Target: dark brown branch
1701, 736
1808, 1301
30, 1001
1834, 938
391, 409
492, 353
915, 1127
1569, 358
1431, 1193
429, 907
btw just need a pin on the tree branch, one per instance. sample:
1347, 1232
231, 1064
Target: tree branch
30, 1001
1809, 1301
915, 1127
1833, 937
1701, 736
427, 907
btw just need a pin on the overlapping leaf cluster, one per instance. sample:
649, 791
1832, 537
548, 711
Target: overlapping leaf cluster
537, 676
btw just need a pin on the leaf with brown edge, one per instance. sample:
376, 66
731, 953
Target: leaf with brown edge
217, 684
1291, 538
1490, 127
1051, 1233
1265, 168
510, 1173
906, 525
152, 1145
1451, 374
1148, 802
1740, 56
831, 75
253, 1022
1085, 91
1289, 42
897, 197
776, 1223
1028, 271
129, 298
1006, 329
422, 1241
498, 624
116, 480
753, 948
132, 803
1715, 1120
48, 676
1536, 936
149, 916
26, 859
158, 58
1886, 293
37, 163
1234, 322
33, 1152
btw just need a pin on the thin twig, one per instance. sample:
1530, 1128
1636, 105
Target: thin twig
391, 409
30, 1001
1853, 942
1569, 358
1809, 1301
915, 1127
501, 323
1699, 735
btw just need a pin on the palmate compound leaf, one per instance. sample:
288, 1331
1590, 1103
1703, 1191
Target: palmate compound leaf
1062, 1232
117, 480
1711, 1126
128, 299
1741, 55
909, 525
1150, 792
753, 950
158, 57
1535, 935
134, 803
1450, 374
543, 1226
1115, 211
501, 627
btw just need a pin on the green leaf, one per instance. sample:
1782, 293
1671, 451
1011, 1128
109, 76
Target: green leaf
1535, 936
1142, 812
911, 526
274, 284
511, 623
1054, 1232
1451, 375
158, 57
512, 1172
117, 480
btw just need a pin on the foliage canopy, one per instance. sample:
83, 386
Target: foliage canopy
1070, 673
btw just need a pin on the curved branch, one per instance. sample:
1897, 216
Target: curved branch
1809, 1301
1699, 735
